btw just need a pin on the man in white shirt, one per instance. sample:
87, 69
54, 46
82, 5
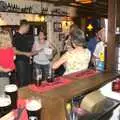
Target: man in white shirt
99, 52
100, 45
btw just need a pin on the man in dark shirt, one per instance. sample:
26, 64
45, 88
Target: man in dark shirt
21, 42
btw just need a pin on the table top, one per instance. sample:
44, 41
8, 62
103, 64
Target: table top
54, 100
78, 87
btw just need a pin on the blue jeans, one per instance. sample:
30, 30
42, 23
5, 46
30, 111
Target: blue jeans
42, 68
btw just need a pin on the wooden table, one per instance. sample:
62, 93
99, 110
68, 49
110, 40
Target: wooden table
54, 100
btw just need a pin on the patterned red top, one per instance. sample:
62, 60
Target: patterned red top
7, 58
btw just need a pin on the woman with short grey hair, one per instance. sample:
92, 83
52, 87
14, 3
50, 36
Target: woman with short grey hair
77, 59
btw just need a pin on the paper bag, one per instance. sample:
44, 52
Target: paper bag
93, 102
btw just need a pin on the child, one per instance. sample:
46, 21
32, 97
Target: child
6, 59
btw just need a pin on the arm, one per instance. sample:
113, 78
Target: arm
36, 49
58, 63
18, 52
96, 51
95, 55
9, 116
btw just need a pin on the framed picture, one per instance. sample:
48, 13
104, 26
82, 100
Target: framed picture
61, 36
57, 27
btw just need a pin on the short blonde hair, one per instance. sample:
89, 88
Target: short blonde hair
4, 37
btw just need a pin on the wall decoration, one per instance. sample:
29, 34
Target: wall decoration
57, 27
61, 36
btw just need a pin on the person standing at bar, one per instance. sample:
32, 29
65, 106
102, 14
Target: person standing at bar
7, 55
23, 51
99, 53
42, 59
91, 44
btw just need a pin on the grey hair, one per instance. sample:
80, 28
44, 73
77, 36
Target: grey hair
78, 38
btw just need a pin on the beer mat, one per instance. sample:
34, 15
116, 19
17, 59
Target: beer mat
44, 87
83, 74
21, 111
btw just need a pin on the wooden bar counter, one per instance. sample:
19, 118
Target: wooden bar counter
54, 100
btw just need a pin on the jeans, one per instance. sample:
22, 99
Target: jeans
42, 68
23, 70
3, 81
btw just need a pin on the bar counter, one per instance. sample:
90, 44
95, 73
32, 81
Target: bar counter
54, 100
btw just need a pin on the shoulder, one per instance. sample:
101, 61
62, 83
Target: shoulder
99, 44
88, 52
17, 36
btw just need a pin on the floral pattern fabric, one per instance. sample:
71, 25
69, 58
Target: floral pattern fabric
77, 61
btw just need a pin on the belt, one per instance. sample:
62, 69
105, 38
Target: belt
4, 74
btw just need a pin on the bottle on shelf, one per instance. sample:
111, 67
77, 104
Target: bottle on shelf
8, 7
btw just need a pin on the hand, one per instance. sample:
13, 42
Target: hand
28, 54
36, 51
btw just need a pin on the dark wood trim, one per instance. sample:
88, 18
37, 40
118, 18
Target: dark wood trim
111, 44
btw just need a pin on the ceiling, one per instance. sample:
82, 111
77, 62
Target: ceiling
97, 8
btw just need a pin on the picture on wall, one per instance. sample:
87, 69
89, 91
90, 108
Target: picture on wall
57, 27
61, 36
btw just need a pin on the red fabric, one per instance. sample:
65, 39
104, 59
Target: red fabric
83, 74
61, 81
7, 58
21, 104
48, 86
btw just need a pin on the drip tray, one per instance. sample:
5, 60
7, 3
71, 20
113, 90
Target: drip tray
109, 106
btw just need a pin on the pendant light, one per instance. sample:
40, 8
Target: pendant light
84, 1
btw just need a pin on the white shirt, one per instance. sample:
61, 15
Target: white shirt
43, 56
99, 49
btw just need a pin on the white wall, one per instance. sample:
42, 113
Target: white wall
14, 18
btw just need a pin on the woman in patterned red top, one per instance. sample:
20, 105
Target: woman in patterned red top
7, 55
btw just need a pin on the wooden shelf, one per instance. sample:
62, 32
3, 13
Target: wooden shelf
36, 14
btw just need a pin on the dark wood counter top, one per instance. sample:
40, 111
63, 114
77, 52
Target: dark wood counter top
54, 100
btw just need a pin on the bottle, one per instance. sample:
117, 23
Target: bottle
76, 105
69, 111
50, 75
8, 7
38, 77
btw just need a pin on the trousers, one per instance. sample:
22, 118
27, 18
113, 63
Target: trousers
23, 73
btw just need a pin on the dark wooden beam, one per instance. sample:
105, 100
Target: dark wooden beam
111, 44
